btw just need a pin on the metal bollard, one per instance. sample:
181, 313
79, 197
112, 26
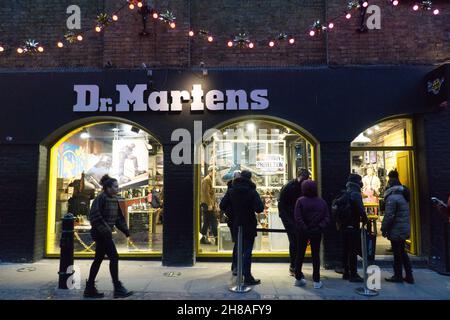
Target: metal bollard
66, 245
240, 287
364, 290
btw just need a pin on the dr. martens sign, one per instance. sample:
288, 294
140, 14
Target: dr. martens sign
135, 99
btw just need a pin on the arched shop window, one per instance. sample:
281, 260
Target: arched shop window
77, 163
386, 146
272, 152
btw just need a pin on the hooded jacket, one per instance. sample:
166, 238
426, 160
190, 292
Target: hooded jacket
395, 224
358, 211
288, 197
242, 201
311, 212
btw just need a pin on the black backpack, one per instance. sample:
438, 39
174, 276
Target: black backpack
341, 209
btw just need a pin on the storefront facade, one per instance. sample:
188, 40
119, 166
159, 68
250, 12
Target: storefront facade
62, 130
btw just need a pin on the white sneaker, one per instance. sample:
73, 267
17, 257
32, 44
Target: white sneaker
318, 285
300, 283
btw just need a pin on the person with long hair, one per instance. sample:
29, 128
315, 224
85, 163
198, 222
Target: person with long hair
105, 214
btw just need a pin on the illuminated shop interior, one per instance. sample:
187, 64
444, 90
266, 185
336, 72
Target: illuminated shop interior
272, 152
127, 153
379, 149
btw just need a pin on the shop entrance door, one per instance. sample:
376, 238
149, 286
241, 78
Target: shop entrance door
405, 174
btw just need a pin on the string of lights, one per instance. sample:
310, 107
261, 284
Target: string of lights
241, 40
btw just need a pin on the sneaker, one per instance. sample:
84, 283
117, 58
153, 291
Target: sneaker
339, 270
318, 285
121, 292
356, 278
204, 240
91, 291
300, 283
394, 279
251, 281
409, 279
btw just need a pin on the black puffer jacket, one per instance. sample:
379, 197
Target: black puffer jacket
288, 197
242, 201
396, 216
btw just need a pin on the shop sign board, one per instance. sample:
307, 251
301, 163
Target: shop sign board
138, 99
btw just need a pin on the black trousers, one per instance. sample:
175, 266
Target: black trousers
104, 246
351, 247
209, 220
401, 258
292, 235
314, 239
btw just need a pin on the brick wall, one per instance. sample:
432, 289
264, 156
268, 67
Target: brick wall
19, 172
335, 159
437, 131
405, 37
178, 248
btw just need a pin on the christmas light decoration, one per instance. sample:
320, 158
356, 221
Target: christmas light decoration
30, 47
317, 28
167, 17
103, 20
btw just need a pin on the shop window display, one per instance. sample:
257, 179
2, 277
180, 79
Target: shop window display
126, 153
376, 151
272, 152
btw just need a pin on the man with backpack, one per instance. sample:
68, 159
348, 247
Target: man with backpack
286, 205
348, 210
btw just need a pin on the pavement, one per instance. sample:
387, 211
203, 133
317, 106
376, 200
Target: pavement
207, 281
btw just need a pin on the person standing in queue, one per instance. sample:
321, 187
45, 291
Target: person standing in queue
106, 214
396, 226
286, 204
351, 228
229, 215
243, 201
311, 217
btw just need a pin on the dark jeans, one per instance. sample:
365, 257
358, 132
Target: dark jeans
401, 259
293, 248
209, 220
247, 256
351, 247
247, 248
314, 239
292, 235
104, 246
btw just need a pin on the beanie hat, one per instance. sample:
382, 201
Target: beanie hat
302, 172
393, 174
355, 178
246, 174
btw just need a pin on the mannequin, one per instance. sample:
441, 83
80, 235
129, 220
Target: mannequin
371, 186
